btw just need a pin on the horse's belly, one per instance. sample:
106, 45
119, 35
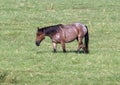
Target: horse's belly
70, 36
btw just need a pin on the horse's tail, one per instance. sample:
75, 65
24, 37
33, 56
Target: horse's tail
86, 40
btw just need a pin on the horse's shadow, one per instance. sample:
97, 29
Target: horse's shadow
69, 51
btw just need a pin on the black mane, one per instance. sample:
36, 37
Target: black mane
50, 29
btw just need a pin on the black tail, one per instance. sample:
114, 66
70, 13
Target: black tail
86, 40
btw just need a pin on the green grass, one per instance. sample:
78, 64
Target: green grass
21, 62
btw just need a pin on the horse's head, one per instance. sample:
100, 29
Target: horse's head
40, 35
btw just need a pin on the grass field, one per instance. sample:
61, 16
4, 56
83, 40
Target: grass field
21, 62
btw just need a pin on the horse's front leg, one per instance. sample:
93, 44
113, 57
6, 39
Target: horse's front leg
63, 46
54, 47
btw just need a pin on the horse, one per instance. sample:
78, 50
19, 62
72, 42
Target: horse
61, 34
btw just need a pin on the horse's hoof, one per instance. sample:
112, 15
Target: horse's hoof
54, 51
77, 52
86, 52
64, 51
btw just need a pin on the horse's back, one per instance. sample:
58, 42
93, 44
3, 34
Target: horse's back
72, 31
69, 32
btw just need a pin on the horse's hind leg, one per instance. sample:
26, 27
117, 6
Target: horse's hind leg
54, 47
83, 47
80, 45
63, 46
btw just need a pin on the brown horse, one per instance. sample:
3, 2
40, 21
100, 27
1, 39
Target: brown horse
63, 34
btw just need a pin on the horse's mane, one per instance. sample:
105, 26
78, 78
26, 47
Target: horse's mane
50, 29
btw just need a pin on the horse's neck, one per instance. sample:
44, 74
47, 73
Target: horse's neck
51, 32
49, 35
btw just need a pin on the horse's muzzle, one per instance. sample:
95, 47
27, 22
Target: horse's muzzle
37, 43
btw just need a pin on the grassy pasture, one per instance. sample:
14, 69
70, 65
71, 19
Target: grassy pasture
21, 62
